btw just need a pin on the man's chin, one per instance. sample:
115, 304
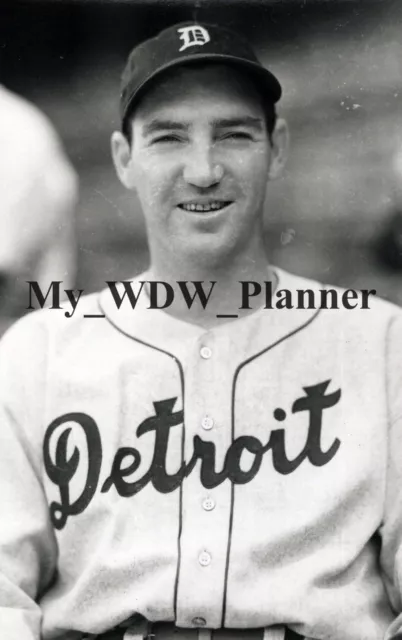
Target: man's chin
210, 251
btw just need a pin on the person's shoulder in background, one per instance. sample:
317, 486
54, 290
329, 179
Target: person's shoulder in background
38, 197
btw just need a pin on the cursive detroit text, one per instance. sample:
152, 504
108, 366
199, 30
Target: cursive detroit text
127, 460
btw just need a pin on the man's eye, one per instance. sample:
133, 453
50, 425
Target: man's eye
166, 139
237, 135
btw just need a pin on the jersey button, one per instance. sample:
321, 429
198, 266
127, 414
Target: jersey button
198, 621
208, 504
204, 559
207, 423
205, 352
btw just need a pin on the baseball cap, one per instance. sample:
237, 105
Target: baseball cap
188, 43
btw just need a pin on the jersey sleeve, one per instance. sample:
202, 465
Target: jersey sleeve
27, 543
391, 530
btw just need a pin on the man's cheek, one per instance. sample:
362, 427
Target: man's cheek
158, 192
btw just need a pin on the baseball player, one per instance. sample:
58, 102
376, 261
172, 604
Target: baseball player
178, 473
38, 198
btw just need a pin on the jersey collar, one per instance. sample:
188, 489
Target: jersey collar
159, 329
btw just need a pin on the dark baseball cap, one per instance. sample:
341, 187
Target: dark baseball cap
188, 43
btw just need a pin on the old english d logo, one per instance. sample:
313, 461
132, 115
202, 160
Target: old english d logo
193, 36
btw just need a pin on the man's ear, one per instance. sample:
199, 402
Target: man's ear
280, 146
121, 154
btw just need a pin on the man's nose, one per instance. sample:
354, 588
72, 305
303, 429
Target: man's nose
201, 169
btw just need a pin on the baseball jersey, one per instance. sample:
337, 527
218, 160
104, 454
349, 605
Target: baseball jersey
243, 476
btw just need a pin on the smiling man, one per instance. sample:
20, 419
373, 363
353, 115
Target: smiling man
181, 474
198, 148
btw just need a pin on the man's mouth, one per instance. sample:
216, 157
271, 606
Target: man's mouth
205, 207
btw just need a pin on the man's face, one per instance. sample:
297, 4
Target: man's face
199, 161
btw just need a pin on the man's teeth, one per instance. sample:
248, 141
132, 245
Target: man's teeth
211, 206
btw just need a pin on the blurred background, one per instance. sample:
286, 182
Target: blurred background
336, 213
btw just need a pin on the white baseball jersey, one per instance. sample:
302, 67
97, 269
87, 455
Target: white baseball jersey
245, 476
38, 196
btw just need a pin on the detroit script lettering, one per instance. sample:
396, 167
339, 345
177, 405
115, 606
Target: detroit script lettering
62, 469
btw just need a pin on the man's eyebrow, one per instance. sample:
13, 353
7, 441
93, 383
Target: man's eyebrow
243, 121
162, 125
222, 123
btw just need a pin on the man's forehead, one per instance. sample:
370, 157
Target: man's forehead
211, 85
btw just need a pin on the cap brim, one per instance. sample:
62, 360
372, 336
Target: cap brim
269, 84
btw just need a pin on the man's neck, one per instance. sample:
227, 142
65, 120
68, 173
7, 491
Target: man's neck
222, 285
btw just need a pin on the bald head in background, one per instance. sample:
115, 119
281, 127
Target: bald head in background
38, 198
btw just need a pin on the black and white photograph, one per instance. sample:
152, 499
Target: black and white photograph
201, 320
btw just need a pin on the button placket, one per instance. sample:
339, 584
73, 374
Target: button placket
207, 392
